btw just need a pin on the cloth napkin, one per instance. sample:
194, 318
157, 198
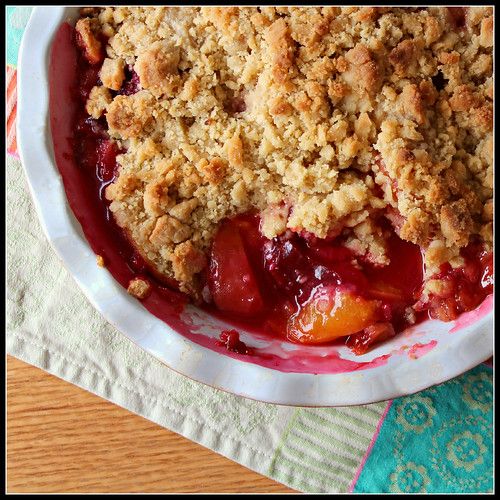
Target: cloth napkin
440, 440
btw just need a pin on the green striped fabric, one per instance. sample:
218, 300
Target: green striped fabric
322, 449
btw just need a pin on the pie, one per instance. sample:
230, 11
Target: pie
323, 172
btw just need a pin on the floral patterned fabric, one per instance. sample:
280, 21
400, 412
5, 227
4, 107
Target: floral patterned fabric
437, 441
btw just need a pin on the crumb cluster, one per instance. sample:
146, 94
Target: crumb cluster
319, 118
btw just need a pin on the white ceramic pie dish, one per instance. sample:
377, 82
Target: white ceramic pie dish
425, 355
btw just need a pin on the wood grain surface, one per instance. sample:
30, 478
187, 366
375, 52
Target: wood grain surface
61, 438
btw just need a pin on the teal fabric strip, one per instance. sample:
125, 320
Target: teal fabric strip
437, 441
17, 19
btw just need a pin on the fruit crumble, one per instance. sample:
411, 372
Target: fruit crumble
325, 172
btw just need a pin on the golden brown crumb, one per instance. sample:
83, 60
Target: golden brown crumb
482, 118
112, 73
280, 106
169, 230
456, 223
100, 261
486, 37
214, 170
86, 38
139, 288
273, 220
183, 210
404, 58
157, 68
412, 103
187, 261
282, 50
98, 101
235, 151
128, 115
449, 57
363, 73
317, 118
463, 99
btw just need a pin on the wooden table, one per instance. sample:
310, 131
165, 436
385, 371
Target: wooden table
61, 438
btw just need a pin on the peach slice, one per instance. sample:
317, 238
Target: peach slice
329, 314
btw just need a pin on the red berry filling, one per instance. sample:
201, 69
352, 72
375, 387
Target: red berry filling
131, 84
464, 288
314, 291
231, 340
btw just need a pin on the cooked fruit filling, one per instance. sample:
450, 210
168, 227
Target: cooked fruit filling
316, 291
322, 174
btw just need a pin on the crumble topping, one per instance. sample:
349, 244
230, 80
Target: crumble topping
157, 68
112, 73
139, 288
98, 101
319, 118
86, 29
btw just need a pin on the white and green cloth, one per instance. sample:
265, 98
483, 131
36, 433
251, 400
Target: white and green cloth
440, 440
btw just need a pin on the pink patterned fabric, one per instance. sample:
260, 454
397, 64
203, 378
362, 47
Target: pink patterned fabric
11, 110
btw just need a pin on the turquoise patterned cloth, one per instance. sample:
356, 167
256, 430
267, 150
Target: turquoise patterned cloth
439, 441
17, 18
